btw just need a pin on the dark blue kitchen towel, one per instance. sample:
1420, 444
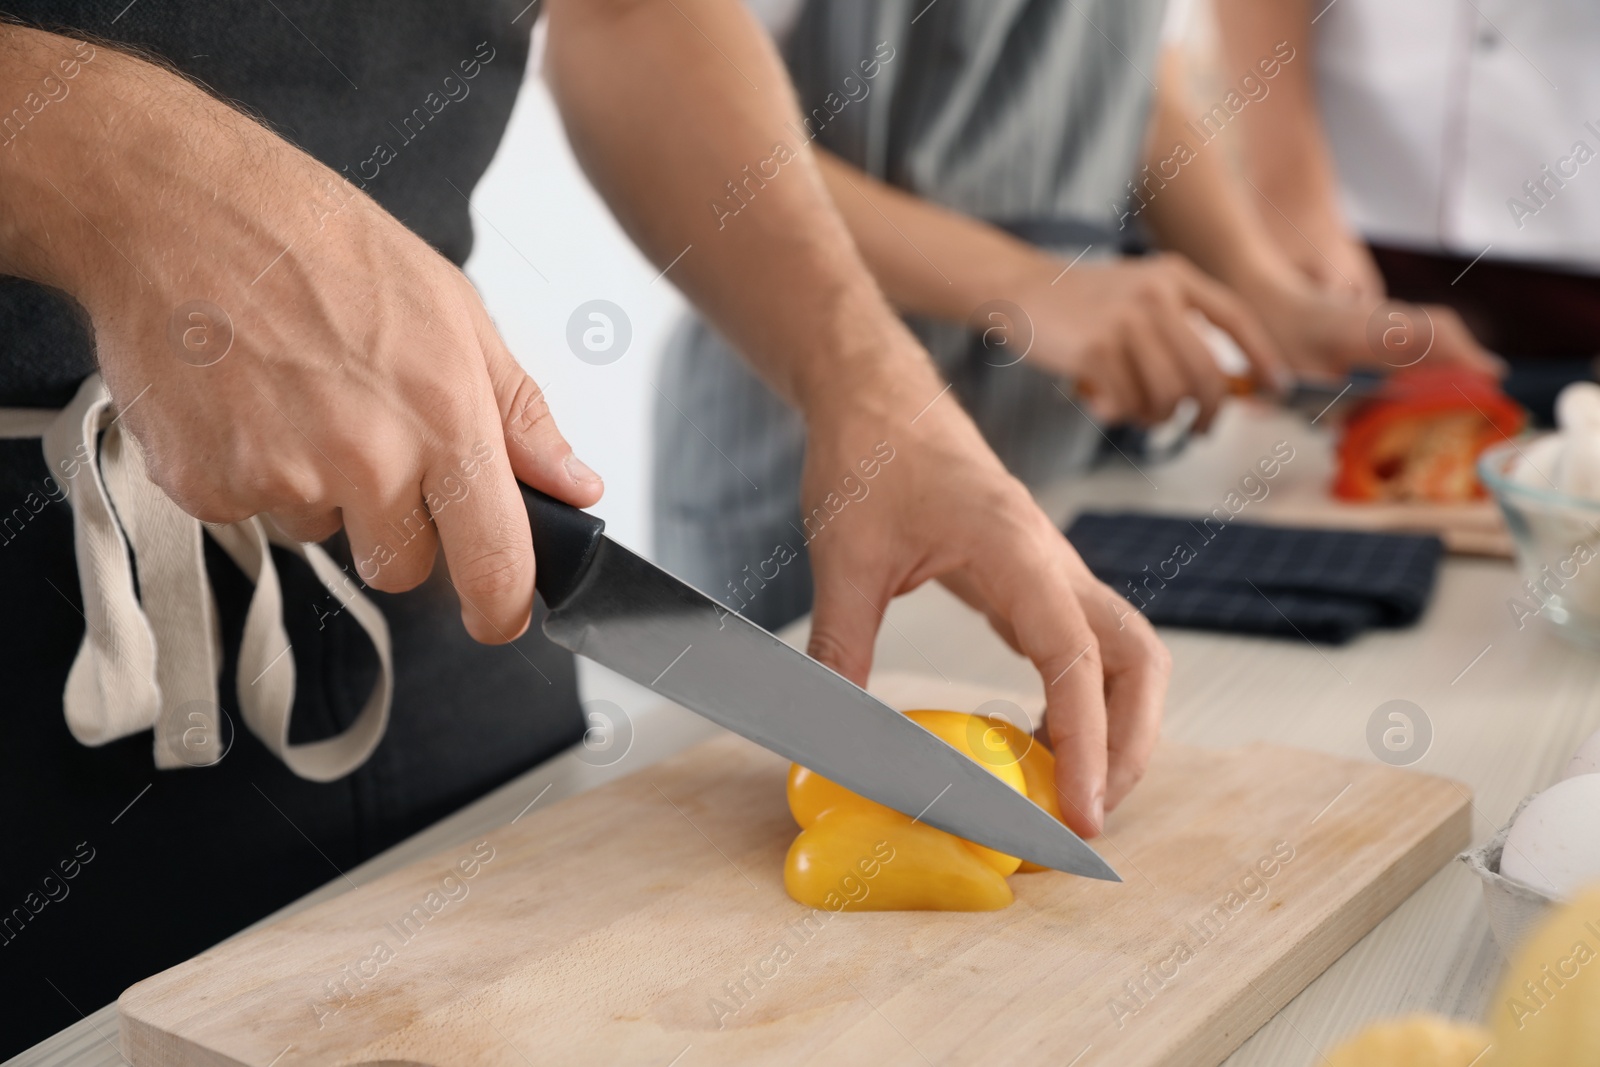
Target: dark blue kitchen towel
1324, 585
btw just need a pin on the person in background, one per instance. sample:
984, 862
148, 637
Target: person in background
1444, 151
258, 320
1001, 157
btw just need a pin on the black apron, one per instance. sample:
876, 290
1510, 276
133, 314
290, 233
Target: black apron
202, 852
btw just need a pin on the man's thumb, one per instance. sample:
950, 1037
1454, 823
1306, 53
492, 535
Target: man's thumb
540, 455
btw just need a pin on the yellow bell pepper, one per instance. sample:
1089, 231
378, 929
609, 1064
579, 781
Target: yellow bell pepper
1417, 1041
1547, 1013
844, 835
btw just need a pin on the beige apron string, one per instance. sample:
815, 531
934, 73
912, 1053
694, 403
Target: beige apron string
154, 665
25, 423
266, 662
112, 690
176, 597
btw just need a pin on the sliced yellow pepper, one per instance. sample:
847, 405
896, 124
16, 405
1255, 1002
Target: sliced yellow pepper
1417, 1041
1038, 765
865, 860
844, 833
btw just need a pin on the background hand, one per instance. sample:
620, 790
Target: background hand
1322, 333
1327, 254
1121, 331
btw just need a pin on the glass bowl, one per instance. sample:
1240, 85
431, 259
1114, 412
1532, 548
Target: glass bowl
1557, 538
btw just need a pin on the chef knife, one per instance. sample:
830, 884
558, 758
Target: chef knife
1313, 397
609, 605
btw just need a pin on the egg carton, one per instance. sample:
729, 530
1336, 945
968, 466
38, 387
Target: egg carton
1515, 910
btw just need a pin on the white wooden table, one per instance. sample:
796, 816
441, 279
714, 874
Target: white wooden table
1507, 708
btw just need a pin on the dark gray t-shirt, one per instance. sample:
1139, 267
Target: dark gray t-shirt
405, 98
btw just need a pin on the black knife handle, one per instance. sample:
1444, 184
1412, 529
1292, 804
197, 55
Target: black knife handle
564, 542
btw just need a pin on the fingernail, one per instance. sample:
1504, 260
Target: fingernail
580, 471
1097, 811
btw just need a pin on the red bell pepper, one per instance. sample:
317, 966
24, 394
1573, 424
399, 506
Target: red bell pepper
1419, 438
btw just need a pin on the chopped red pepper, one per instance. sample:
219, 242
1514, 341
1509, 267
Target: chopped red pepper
1419, 438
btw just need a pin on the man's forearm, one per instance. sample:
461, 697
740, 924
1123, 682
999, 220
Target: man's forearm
1196, 203
928, 259
44, 81
1285, 150
76, 119
694, 144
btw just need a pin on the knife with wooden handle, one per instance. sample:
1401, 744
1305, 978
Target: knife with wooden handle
622, 611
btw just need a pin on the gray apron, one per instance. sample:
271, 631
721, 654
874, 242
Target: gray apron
1030, 114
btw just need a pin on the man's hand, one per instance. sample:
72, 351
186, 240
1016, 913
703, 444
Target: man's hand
278, 343
1324, 333
945, 508
1122, 332
702, 101
1317, 243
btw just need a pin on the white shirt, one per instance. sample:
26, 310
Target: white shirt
1439, 112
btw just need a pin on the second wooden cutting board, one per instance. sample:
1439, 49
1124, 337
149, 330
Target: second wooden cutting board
646, 923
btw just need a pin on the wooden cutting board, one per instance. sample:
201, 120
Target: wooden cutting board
1476, 528
645, 923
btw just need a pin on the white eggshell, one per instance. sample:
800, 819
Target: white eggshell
1578, 408
1554, 846
1578, 415
1587, 759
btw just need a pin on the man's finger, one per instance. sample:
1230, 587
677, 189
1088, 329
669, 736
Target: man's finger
1454, 344
308, 525
1228, 312
1137, 667
1160, 374
488, 546
393, 545
1110, 388
1205, 378
848, 608
1032, 592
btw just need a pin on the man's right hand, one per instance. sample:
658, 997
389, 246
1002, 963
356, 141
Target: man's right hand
276, 341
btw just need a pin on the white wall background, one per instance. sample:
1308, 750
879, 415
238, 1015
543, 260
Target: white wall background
546, 243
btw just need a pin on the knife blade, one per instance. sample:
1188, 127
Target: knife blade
1313, 397
622, 611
